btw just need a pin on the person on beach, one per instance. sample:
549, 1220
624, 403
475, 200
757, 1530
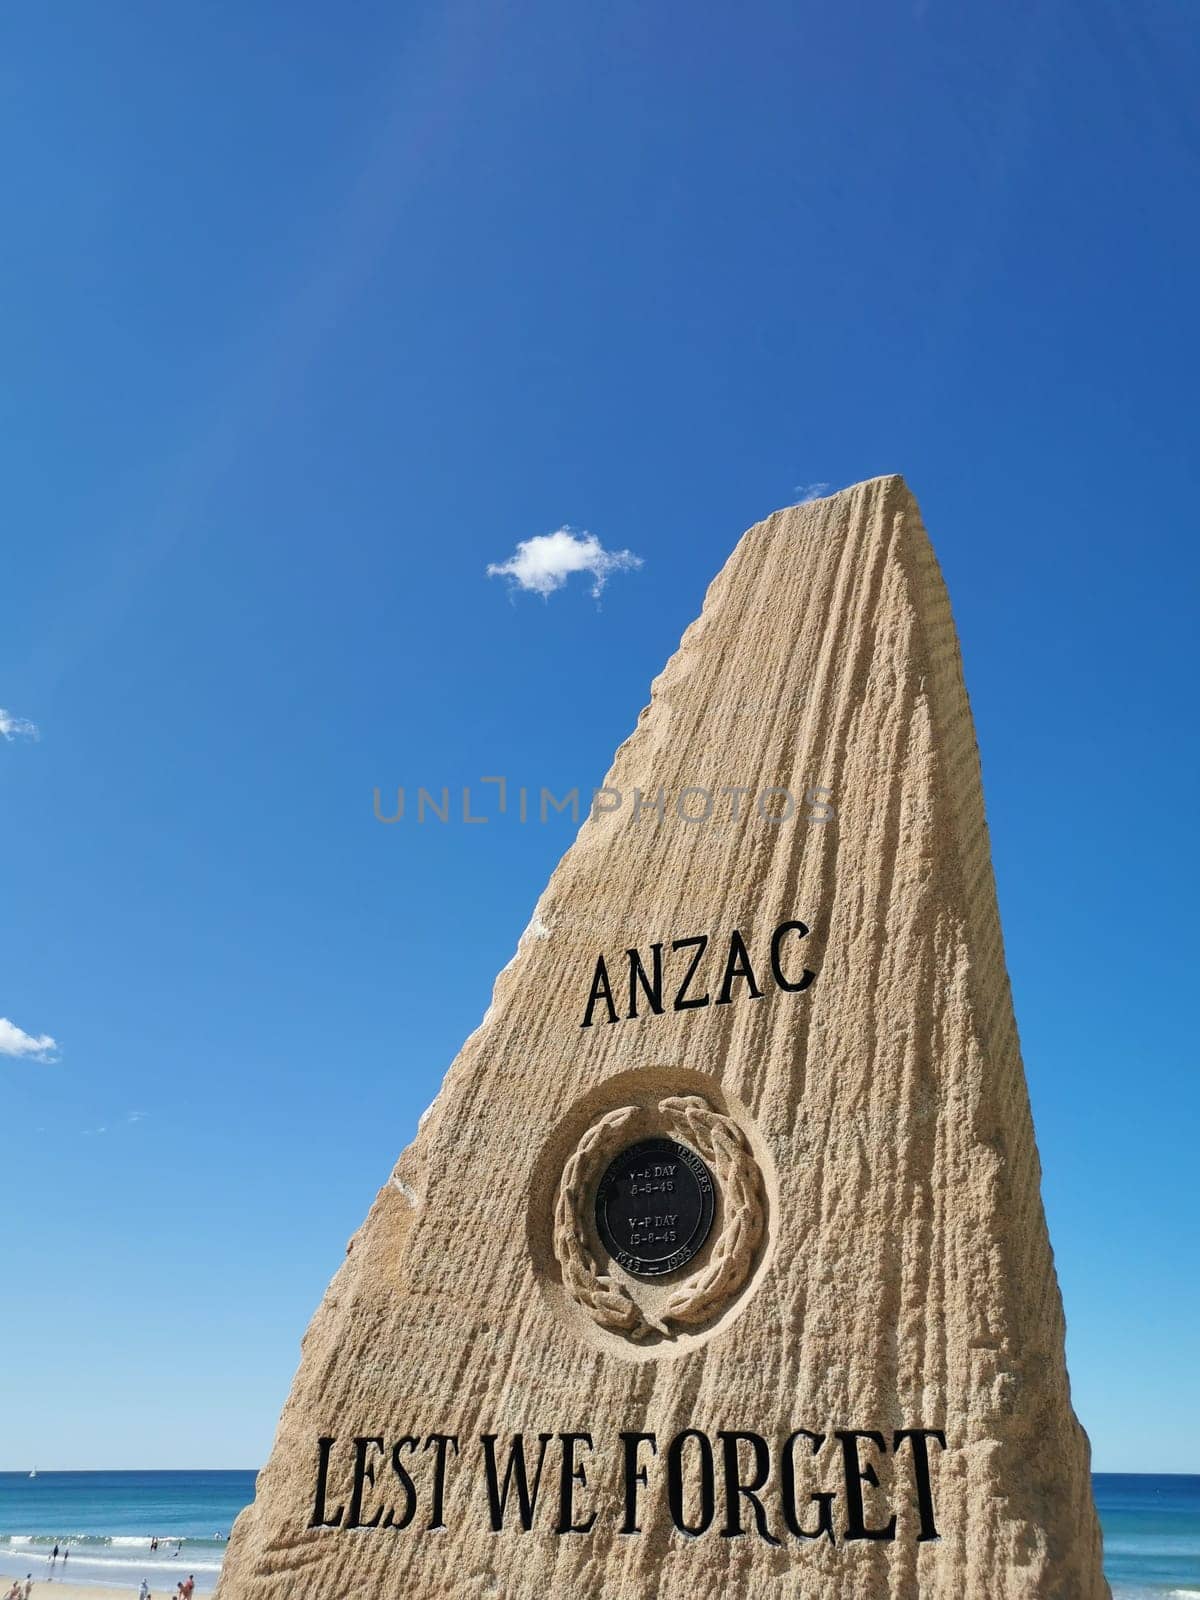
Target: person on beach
144, 1591
188, 1587
28, 1589
15, 1592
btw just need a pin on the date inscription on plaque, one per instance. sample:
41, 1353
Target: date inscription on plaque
654, 1207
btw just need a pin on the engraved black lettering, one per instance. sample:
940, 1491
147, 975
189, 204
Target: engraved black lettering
652, 987
736, 1490
737, 966
406, 1483
440, 1441
701, 944
920, 1455
856, 1476
777, 938
572, 1475
514, 1473
675, 1494
601, 990
364, 1478
635, 1475
787, 1491
319, 1517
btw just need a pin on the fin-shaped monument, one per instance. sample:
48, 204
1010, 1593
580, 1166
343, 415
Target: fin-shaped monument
719, 1266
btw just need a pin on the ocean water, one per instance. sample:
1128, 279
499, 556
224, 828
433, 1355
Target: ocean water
1151, 1534
107, 1520
1151, 1528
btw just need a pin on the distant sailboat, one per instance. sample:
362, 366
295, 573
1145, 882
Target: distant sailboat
33, 1474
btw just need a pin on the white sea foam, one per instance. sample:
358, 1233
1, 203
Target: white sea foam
97, 1567
183, 1563
1139, 1591
91, 1542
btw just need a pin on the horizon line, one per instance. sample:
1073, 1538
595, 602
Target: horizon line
24, 1472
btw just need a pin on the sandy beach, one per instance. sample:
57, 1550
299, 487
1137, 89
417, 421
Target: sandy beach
44, 1588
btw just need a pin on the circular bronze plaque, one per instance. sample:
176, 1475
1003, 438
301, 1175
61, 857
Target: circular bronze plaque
654, 1207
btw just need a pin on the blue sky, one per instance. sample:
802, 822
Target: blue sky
313, 314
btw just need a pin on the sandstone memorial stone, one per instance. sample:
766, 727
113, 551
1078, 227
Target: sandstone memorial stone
764, 1304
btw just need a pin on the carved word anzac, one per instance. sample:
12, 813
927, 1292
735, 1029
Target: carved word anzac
736, 968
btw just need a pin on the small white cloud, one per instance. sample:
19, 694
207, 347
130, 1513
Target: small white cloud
543, 564
12, 727
15, 1041
136, 1116
810, 491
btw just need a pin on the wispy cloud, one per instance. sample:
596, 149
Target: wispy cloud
13, 727
810, 491
543, 564
15, 1041
136, 1116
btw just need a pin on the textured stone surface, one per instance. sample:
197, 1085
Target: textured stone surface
906, 1279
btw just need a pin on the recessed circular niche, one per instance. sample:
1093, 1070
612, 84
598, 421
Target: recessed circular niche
650, 1212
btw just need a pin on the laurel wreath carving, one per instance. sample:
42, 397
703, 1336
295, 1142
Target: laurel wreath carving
724, 1148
